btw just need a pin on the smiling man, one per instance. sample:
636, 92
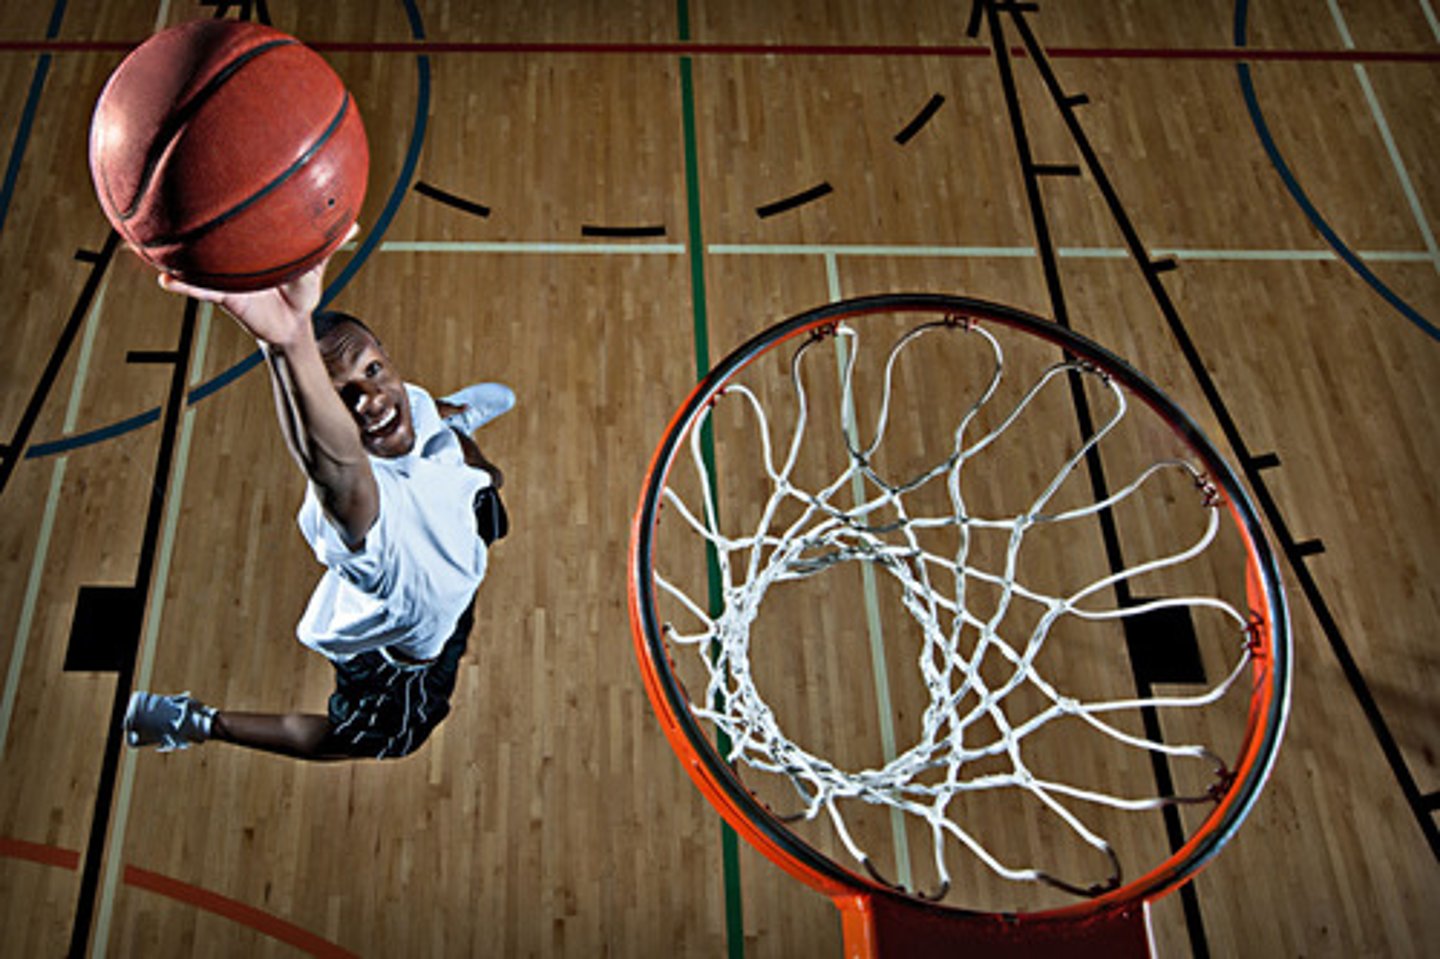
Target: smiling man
401, 509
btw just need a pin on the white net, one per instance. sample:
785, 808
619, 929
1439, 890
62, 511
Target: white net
984, 623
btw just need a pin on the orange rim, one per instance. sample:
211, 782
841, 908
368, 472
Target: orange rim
1270, 633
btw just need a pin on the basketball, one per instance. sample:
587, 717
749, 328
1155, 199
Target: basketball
228, 154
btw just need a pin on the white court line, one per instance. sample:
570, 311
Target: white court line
878, 668
145, 666
1401, 173
873, 250
1064, 252
1430, 18
808, 249
47, 523
521, 246
27, 607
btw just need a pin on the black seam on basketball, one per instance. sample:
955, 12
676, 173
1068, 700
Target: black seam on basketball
264, 191
202, 277
177, 120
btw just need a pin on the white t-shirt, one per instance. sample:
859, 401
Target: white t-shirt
422, 560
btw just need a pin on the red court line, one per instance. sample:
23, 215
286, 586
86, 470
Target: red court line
234, 910
1224, 54
36, 852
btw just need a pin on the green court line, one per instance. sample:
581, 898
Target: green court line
729, 842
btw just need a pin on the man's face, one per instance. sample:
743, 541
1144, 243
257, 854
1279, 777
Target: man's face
371, 390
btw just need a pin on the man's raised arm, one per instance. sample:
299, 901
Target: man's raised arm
321, 434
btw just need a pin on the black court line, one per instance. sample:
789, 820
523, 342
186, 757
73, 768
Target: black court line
791, 202
1141, 671
926, 114
15, 448
1355, 678
99, 607
622, 231
1055, 169
151, 356
450, 199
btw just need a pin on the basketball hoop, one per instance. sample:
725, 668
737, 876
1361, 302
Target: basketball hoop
1014, 521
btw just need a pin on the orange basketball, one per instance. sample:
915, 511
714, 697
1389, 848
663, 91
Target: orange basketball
228, 154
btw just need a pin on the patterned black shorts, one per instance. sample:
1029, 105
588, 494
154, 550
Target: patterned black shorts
384, 710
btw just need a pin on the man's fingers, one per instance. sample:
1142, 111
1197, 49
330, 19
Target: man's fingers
169, 284
350, 234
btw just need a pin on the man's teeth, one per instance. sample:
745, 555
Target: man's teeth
383, 422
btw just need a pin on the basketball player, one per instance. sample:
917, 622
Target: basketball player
401, 508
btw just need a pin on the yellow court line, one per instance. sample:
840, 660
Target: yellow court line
879, 670
47, 523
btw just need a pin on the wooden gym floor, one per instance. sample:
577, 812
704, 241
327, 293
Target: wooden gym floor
565, 196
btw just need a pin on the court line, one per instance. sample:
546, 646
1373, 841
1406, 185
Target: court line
28, 604
198, 897
1297, 193
881, 250
27, 115
874, 629
1070, 252
538, 246
47, 522
1251, 465
690, 49
237, 912
1430, 18
110, 431
407, 169
45, 855
1378, 114
729, 839
150, 640
1065, 105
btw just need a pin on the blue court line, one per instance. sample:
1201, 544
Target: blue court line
1262, 130
27, 115
382, 223
407, 171
22, 135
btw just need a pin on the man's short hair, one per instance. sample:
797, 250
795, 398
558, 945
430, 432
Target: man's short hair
323, 322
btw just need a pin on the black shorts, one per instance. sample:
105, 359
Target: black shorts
383, 709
